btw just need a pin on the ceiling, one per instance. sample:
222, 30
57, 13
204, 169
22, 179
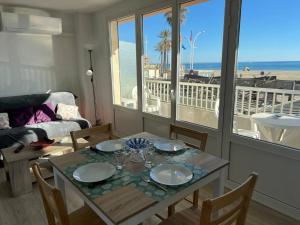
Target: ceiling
64, 5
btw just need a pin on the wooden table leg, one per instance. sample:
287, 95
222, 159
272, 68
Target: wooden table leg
171, 210
196, 199
59, 183
19, 177
218, 187
219, 184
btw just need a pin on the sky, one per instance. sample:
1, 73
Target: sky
270, 31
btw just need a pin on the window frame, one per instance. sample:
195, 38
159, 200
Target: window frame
112, 74
141, 14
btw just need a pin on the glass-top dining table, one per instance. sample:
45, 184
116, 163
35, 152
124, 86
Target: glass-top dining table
127, 198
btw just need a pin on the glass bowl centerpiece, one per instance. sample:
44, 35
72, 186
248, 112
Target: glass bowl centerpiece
137, 145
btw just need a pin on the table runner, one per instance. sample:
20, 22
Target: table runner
132, 173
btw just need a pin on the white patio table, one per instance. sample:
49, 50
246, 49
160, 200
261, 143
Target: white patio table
273, 121
129, 200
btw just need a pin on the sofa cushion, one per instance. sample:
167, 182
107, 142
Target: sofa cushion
4, 121
59, 128
45, 113
36, 132
67, 112
21, 117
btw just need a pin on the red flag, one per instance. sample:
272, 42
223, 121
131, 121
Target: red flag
191, 37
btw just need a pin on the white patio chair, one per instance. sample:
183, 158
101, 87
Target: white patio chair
243, 132
152, 103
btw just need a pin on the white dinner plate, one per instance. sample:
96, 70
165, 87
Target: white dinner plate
94, 172
169, 145
171, 174
110, 145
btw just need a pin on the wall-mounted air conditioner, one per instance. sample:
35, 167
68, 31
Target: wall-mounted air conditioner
26, 23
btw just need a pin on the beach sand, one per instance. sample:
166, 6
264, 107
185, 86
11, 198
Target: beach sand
281, 75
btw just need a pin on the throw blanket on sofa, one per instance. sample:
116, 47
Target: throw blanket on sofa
39, 131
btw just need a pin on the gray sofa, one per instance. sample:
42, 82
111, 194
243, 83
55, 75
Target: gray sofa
30, 133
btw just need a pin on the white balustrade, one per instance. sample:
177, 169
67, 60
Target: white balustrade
248, 100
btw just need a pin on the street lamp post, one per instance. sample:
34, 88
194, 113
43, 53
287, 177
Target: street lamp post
192, 43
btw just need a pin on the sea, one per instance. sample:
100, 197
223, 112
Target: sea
128, 73
263, 66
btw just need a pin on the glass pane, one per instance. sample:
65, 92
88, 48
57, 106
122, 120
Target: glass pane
201, 38
267, 92
123, 55
157, 62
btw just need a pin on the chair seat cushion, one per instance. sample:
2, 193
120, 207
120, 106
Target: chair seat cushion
189, 216
85, 216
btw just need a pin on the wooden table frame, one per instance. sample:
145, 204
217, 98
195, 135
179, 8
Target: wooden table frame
217, 178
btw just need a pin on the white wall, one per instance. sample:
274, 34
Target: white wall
278, 183
33, 63
84, 35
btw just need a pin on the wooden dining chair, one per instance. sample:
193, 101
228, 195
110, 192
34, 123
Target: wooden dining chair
91, 136
231, 208
197, 136
55, 208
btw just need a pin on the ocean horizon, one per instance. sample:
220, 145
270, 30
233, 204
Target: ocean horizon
263, 66
128, 75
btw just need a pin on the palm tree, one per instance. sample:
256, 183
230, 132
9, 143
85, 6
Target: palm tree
160, 48
164, 47
183, 12
182, 18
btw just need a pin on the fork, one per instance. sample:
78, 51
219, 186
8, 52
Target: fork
149, 181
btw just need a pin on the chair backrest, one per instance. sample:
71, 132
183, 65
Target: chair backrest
53, 202
91, 136
232, 207
202, 137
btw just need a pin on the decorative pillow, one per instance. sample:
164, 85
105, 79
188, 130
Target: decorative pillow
45, 113
67, 112
22, 117
4, 121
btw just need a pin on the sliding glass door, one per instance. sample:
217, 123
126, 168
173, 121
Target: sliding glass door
123, 60
199, 64
157, 47
267, 91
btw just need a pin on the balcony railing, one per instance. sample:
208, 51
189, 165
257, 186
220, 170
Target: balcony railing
248, 100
